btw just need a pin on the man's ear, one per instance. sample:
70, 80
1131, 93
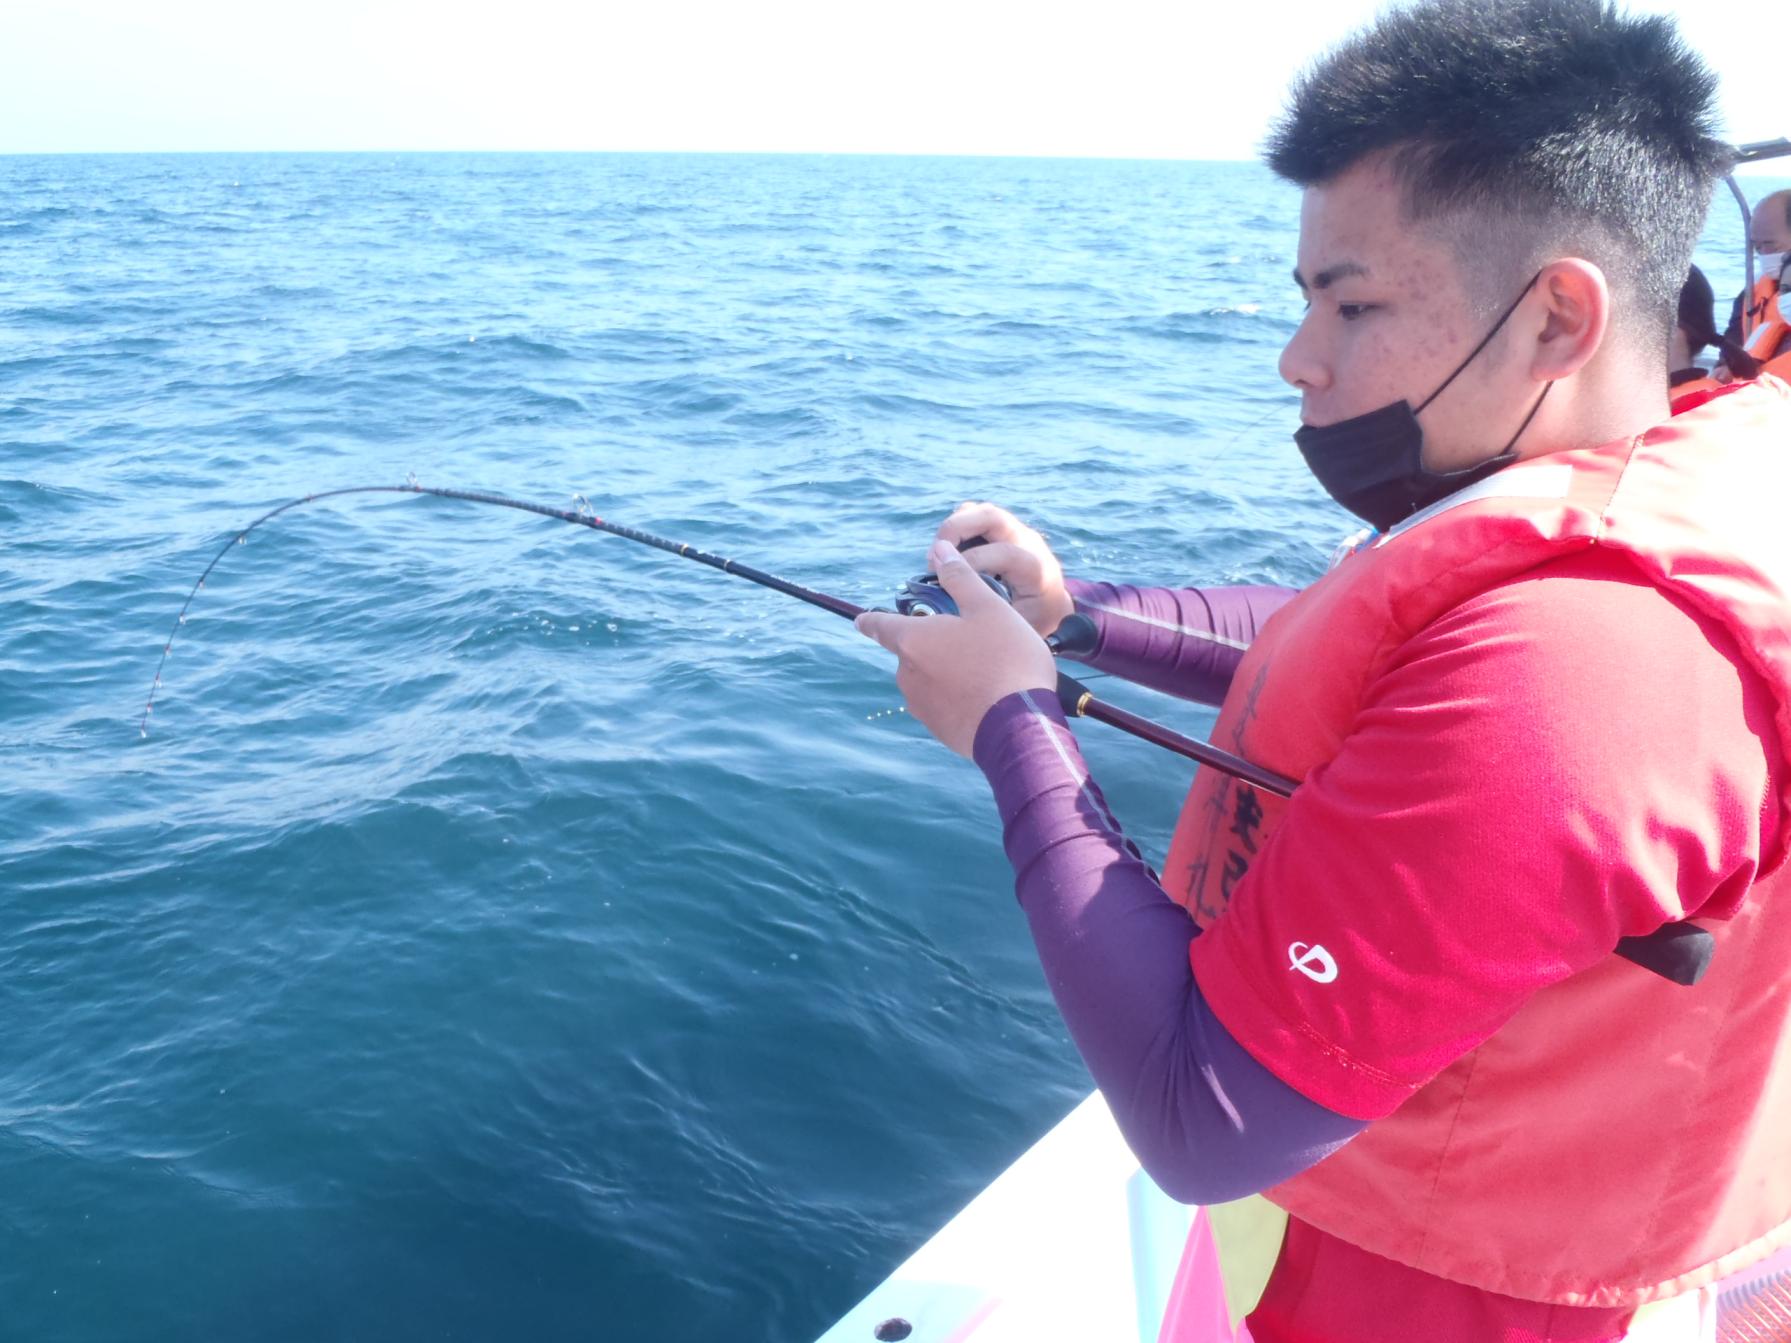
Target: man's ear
1576, 313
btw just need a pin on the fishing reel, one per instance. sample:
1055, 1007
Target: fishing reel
923, 595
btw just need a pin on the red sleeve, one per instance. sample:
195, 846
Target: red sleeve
1567, 759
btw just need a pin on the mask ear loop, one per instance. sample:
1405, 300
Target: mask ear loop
1504, 458
1485, 340
1546, 388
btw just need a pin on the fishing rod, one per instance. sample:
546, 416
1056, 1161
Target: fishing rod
580, 514
919, 596
1679, 952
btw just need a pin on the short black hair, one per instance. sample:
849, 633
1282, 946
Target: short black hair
1526, 126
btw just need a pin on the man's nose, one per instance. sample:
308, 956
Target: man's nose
1301, 362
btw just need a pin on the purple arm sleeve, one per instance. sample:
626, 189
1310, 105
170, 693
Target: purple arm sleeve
1183, 641
1206, 1120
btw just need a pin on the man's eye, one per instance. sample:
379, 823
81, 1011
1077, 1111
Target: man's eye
1349, 312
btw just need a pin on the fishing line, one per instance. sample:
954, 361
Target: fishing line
580, 514
1680, 952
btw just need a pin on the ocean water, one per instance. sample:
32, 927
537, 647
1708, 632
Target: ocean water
503, 931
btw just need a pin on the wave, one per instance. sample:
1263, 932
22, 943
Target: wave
36, 496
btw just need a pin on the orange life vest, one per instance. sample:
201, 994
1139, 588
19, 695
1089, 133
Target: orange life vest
1621, 1139
1763, 327
1764, 333
1697, 391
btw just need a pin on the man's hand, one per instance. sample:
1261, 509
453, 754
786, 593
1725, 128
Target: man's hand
953, 669
1018, 556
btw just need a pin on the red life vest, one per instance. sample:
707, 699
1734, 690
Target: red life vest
1621, 1139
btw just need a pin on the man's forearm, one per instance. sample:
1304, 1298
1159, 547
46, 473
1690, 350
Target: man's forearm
1183, 641
1206, 1120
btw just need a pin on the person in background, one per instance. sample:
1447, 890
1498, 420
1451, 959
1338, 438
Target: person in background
1544, 707
1695, 331
1760, 322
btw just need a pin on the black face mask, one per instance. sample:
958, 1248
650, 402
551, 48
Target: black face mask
1374, 464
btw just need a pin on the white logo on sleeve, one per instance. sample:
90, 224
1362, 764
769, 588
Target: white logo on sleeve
1312, 961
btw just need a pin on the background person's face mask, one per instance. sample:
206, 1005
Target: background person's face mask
1373, 464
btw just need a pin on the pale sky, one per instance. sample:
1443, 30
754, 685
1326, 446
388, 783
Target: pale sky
1121, 78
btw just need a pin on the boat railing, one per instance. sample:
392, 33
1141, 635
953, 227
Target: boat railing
1758, 151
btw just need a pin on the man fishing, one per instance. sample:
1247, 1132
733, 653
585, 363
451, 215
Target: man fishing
1544, 706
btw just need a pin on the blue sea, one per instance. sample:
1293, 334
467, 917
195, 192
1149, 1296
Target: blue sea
505, 931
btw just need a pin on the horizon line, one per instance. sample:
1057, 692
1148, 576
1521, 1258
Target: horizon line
1758, 168
739, 153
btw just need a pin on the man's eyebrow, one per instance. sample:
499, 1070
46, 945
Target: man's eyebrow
1329, 276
